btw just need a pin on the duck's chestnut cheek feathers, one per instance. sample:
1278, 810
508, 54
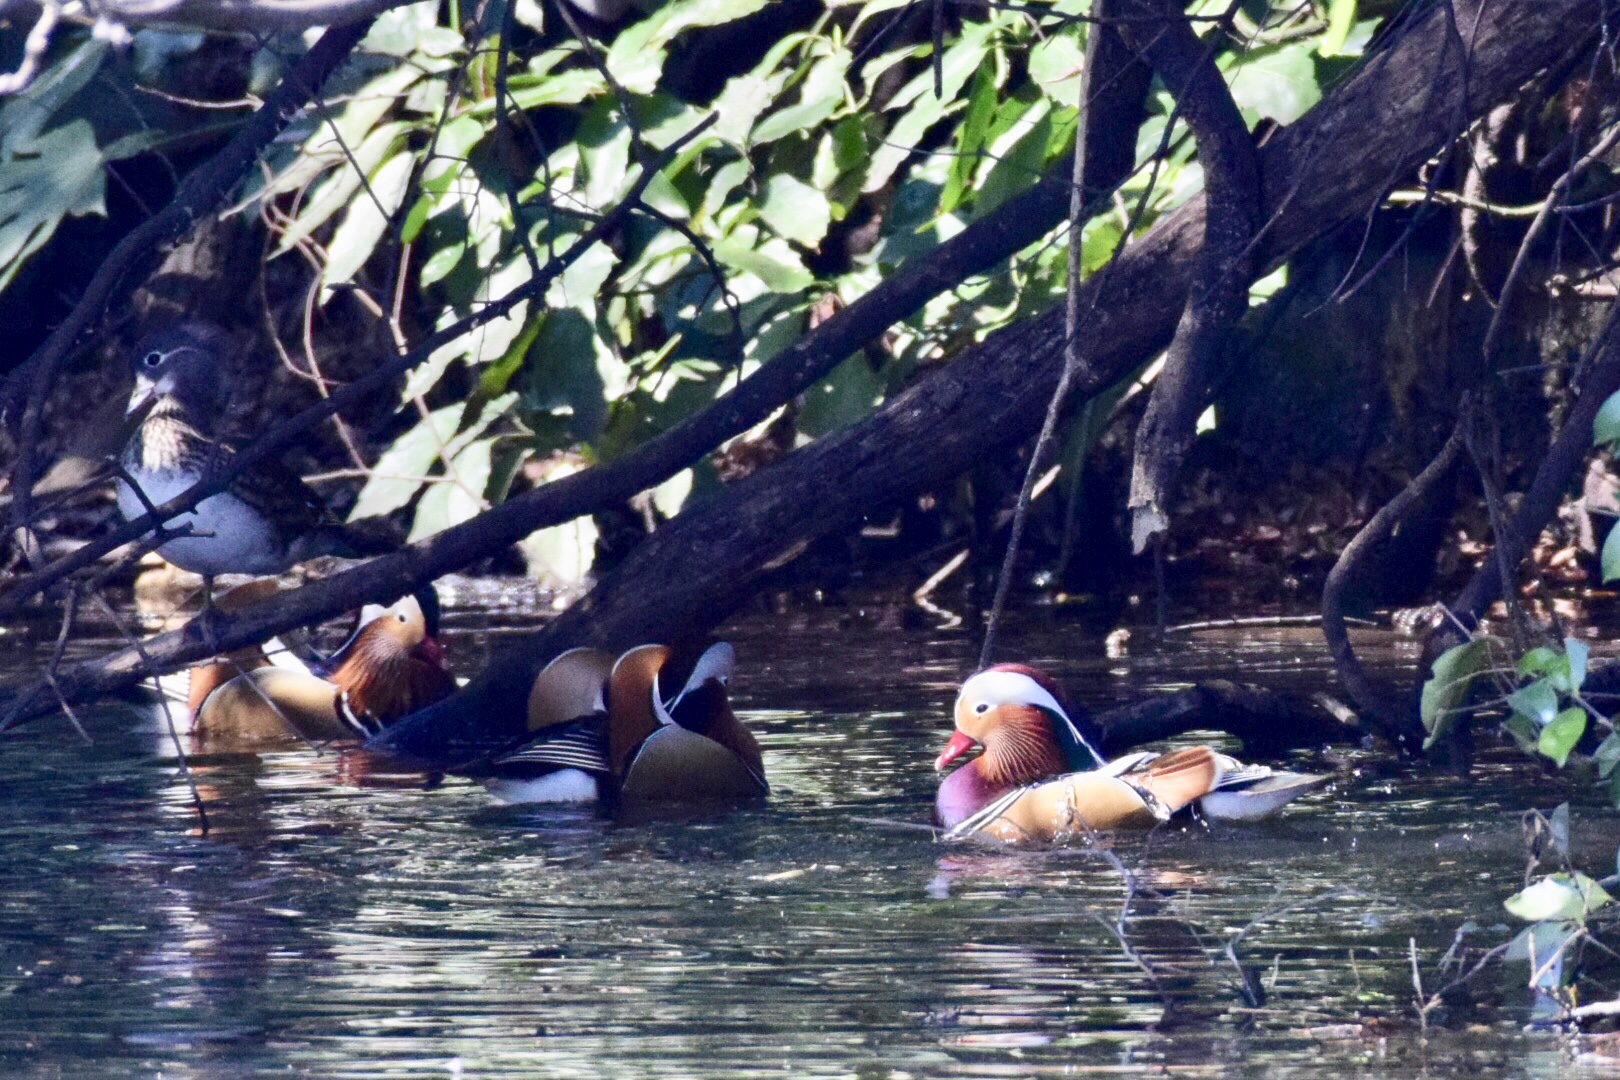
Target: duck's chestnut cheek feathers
960, 744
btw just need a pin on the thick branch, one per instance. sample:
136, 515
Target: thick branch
1219, 293
1263, 719
1379, 706
1391, 116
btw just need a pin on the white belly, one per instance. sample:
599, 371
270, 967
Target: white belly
562, 786
228, 536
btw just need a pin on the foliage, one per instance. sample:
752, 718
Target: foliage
468, 141
1548, 714
1564, 910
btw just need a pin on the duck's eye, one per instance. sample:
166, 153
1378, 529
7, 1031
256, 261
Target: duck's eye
152, 359
402, 617
981, 708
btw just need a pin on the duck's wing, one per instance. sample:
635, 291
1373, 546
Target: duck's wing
1258, 792
578, 744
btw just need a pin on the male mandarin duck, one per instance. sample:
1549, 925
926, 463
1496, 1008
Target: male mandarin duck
645, 728
391, 666
1040, 776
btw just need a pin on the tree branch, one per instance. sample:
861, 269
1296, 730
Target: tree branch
1219, 293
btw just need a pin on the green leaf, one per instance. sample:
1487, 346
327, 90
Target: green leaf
441, 263
459, 496
970, 138
1525, 732
1341, 17
1448, 688
1278, 84
56, 175
1606, 424
1055, 65
795, 210
1607, 755
399, 472
842, 398
637, 56
819, 97
1564, 897
1540, 660
1537, 702
367, 220
1576, 651
1611, 554
1560, 736
772, 262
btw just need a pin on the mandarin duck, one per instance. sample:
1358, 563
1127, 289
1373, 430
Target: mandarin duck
1040, 776
642, 729
265, 521
390, 666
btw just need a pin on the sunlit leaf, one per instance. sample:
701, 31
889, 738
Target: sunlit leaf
458, 496
399, 473
636, 58
1541, 660
1567, 897
1559, 737
970, 136
1055, 65
1450, 685
1537, 702
795, 210
1341, 17
820, 95
367, 220
1278, 84
772, 262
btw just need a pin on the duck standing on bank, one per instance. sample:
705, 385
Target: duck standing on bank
1041, 778
642, 729
266, 520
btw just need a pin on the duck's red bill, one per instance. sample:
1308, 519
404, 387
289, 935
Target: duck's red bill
959, 745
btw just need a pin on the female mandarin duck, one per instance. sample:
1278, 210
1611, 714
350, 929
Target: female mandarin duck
642, 729
1041, 778
391, 666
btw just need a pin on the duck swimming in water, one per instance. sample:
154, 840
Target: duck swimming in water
391, 666
643, 729
1040, 776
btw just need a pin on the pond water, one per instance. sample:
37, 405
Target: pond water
337, 921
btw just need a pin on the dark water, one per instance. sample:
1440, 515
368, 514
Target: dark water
336, 922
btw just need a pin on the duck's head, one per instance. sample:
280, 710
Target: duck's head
654, 686
1016, 716
393, 665
689, 691
178, 364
